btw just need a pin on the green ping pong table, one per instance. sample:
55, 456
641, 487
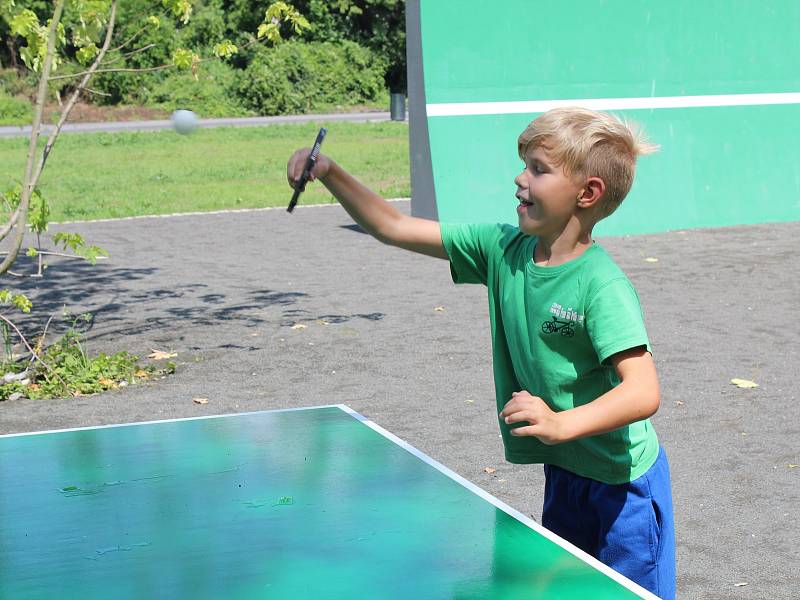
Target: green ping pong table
306, 503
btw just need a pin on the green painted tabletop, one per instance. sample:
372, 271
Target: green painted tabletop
284, 504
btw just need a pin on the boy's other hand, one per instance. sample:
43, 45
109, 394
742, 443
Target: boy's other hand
543, 422
297, 162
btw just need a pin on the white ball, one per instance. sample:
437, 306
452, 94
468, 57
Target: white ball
184, 121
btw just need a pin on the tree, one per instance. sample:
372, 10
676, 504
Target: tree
80, 37
379, 25
88, 34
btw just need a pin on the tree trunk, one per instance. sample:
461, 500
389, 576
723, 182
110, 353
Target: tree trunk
77, 92
41, 96
12, 53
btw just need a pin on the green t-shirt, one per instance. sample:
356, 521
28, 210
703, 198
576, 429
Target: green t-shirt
553, 330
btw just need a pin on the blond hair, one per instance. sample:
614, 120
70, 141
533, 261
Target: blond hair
587, 143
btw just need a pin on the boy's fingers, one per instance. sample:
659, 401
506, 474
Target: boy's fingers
512, 404
517, 403
290, 177
508, 409
530, 430
294, 168
517, 417
513, 407
521, 395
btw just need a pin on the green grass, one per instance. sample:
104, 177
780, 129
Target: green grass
112, 175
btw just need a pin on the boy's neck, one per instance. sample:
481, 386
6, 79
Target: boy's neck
567, 245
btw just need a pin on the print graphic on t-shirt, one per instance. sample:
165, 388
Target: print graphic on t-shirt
563, 320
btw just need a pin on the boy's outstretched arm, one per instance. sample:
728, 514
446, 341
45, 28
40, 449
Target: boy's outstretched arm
376, 216
637, 397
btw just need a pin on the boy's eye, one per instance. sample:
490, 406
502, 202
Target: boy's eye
537, 168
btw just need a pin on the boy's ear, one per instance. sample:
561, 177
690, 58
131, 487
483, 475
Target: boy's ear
592, 191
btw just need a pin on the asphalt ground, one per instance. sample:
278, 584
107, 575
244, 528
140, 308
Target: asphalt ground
387, 333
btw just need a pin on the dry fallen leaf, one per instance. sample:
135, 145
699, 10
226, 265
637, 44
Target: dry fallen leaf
651, 259
104, 381
489, 470
744, 383
299, 326
200, 400
322, 322
140, 373
161, 355
439, 309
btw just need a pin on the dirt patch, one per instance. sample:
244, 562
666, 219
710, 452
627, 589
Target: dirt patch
91, 113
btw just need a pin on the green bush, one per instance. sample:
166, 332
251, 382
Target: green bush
302, 77
15, 111
17, 83
211, 95
70, 371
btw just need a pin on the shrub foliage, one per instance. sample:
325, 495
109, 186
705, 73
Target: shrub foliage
301, 77
352, 54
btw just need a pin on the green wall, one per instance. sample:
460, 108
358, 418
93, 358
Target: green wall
718, 165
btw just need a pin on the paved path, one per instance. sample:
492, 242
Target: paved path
11, 131
228, 291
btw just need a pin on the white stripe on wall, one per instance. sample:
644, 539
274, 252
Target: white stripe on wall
463, 109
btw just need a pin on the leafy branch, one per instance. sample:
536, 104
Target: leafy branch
34, 355
28, 182
96, 17
64, 368
91, 37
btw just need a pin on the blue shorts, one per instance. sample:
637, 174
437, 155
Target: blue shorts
628, 527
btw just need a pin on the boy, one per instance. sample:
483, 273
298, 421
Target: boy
574, 378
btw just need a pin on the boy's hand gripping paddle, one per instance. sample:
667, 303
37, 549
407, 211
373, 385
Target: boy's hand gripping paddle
310, 162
